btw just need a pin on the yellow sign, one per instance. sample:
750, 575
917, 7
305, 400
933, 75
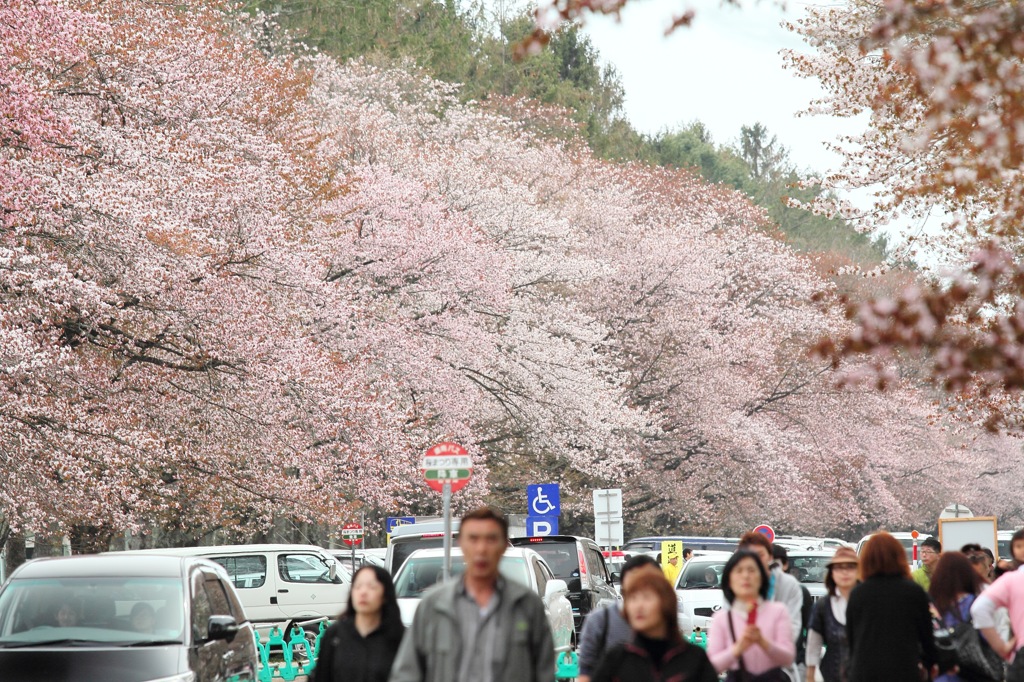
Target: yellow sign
672, 559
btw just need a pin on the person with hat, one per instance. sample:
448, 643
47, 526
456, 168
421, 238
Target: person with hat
828, 621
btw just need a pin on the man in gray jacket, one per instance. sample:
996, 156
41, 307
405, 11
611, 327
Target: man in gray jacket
480, 628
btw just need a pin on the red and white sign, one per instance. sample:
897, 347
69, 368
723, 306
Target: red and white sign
352, 534
766, 530
447, 463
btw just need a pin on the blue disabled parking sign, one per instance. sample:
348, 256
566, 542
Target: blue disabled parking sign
543, 500
396, 521
539, 526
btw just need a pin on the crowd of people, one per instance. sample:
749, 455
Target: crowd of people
951, 621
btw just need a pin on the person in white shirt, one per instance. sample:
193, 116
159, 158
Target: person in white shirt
828, 622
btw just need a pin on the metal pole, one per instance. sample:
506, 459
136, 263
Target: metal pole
353, 547
446, 497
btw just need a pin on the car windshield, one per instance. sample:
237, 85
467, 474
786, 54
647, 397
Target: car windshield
809, 569
420, 573
87, 611
561, 557
701, 574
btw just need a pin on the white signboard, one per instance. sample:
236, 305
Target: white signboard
608, 503
608, 532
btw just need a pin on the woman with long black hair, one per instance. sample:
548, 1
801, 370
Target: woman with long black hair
362, 643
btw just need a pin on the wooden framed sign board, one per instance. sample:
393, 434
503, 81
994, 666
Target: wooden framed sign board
980, 530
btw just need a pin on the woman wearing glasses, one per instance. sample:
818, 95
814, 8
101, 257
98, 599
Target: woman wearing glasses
828, 622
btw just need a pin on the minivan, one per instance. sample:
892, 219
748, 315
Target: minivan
579, 562
123, 619
276, 583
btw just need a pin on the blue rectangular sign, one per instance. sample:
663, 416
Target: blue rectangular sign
395, 521
543, 500
539, 526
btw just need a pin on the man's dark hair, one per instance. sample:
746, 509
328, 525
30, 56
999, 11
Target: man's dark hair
738, 556
780, 554
487, 513
970, 547
933, 543
1016, 537
687, 551
636, 561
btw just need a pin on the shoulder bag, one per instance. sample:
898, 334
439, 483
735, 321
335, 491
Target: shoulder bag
977, 660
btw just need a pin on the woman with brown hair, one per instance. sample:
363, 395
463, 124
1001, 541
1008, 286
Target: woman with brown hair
888, 624
657, 651
954, 587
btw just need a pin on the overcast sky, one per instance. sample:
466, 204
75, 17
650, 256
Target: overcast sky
724, 70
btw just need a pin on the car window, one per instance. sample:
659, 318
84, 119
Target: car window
303, 568
542, 579
246, 572
595, 562
122, 610
561, 557
219, 604
700, 574
419, 574
809, 569
202, 609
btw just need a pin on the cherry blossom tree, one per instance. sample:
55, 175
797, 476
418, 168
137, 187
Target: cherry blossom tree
240, 281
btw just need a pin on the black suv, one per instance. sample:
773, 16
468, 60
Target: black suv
579, 562
123, 619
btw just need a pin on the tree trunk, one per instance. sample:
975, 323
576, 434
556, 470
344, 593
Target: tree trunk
15, 552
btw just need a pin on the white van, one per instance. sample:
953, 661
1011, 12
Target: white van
906, 539
277, 583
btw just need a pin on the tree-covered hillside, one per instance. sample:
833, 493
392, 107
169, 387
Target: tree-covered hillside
467, 43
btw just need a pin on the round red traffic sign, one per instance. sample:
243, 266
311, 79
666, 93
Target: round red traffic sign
352, 534
447, 463
766, 530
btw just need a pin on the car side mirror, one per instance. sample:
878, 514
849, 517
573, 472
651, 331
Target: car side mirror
616, 577
554, 588
221, 627
332, 570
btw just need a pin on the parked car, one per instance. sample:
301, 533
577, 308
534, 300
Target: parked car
123, 619
424, 569
408, 538
694, 542
699, 590
363, 557
1003, 538
906, 539
810, 569
277, 583
577, 561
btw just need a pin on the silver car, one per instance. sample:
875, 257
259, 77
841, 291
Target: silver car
423, 569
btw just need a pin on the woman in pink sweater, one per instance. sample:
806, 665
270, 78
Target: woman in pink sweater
753, 638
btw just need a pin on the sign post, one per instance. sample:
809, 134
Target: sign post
352, 535
447, 468
608, 531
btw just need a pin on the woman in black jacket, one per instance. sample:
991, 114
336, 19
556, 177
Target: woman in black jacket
888, 624
657, 651
362, 643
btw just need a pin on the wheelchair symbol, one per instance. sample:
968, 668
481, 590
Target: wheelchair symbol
541, 504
